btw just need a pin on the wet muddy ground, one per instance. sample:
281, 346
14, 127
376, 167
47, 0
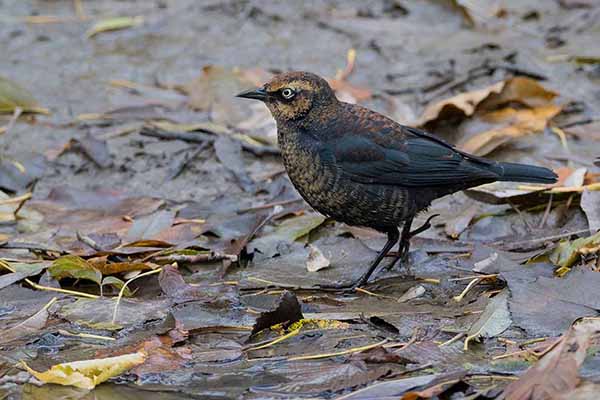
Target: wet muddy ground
487, 294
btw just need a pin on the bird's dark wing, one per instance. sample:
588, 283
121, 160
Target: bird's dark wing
409, 158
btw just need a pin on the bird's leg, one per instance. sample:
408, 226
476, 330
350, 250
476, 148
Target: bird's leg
407, 234
393, 236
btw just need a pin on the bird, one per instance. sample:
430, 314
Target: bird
359, 167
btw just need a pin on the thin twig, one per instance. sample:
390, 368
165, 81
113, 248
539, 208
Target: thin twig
268, 205
201, 137
195, 258
546, 212
155, 271
339, 353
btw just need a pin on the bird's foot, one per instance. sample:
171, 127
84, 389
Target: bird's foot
348, 287
404, 263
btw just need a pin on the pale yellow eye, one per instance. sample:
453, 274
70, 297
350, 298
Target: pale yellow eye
287, 93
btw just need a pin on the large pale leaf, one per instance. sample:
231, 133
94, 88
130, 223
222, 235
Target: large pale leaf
86, 374
494, 320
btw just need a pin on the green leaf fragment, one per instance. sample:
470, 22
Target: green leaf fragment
114, 24
13, 96
568, 252
74, 267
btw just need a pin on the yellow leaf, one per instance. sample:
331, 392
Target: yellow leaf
86, 374
13, 96
114, 24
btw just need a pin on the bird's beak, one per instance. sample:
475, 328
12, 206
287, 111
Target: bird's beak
257, 94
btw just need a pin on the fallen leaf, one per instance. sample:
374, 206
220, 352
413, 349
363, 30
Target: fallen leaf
509, 124
108, 268
379, 355
175, 287
316, 260
212, 91
114, 24
229, 153
286, 312
585, 391
391, 389
494, 320
345, 91
9, 206
506, 193
30, 326
456, 225
149, 226
97, 214
412, 293
13, 96
162, 356
98, 313
544, 305
590, 203
94, 149
74, 267
87, 374
576, 178
288, 231
117, 283
557, 372
16, 175
437, 389
22, 271
518, 89
569, 252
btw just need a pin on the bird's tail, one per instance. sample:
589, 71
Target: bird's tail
524, 173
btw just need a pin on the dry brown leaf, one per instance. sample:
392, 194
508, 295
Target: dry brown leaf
513, 123
348, 91
557, 372
519, 89
464, 103
101, 264
345, 90
522, 90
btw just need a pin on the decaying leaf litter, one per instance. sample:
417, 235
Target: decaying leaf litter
147, 220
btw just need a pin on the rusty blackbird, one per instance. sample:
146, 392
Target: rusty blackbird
362, 168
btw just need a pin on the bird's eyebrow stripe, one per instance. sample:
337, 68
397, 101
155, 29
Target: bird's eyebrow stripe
292, 85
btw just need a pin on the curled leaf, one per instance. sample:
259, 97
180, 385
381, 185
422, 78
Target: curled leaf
114, 24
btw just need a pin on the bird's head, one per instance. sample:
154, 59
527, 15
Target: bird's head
292, 95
